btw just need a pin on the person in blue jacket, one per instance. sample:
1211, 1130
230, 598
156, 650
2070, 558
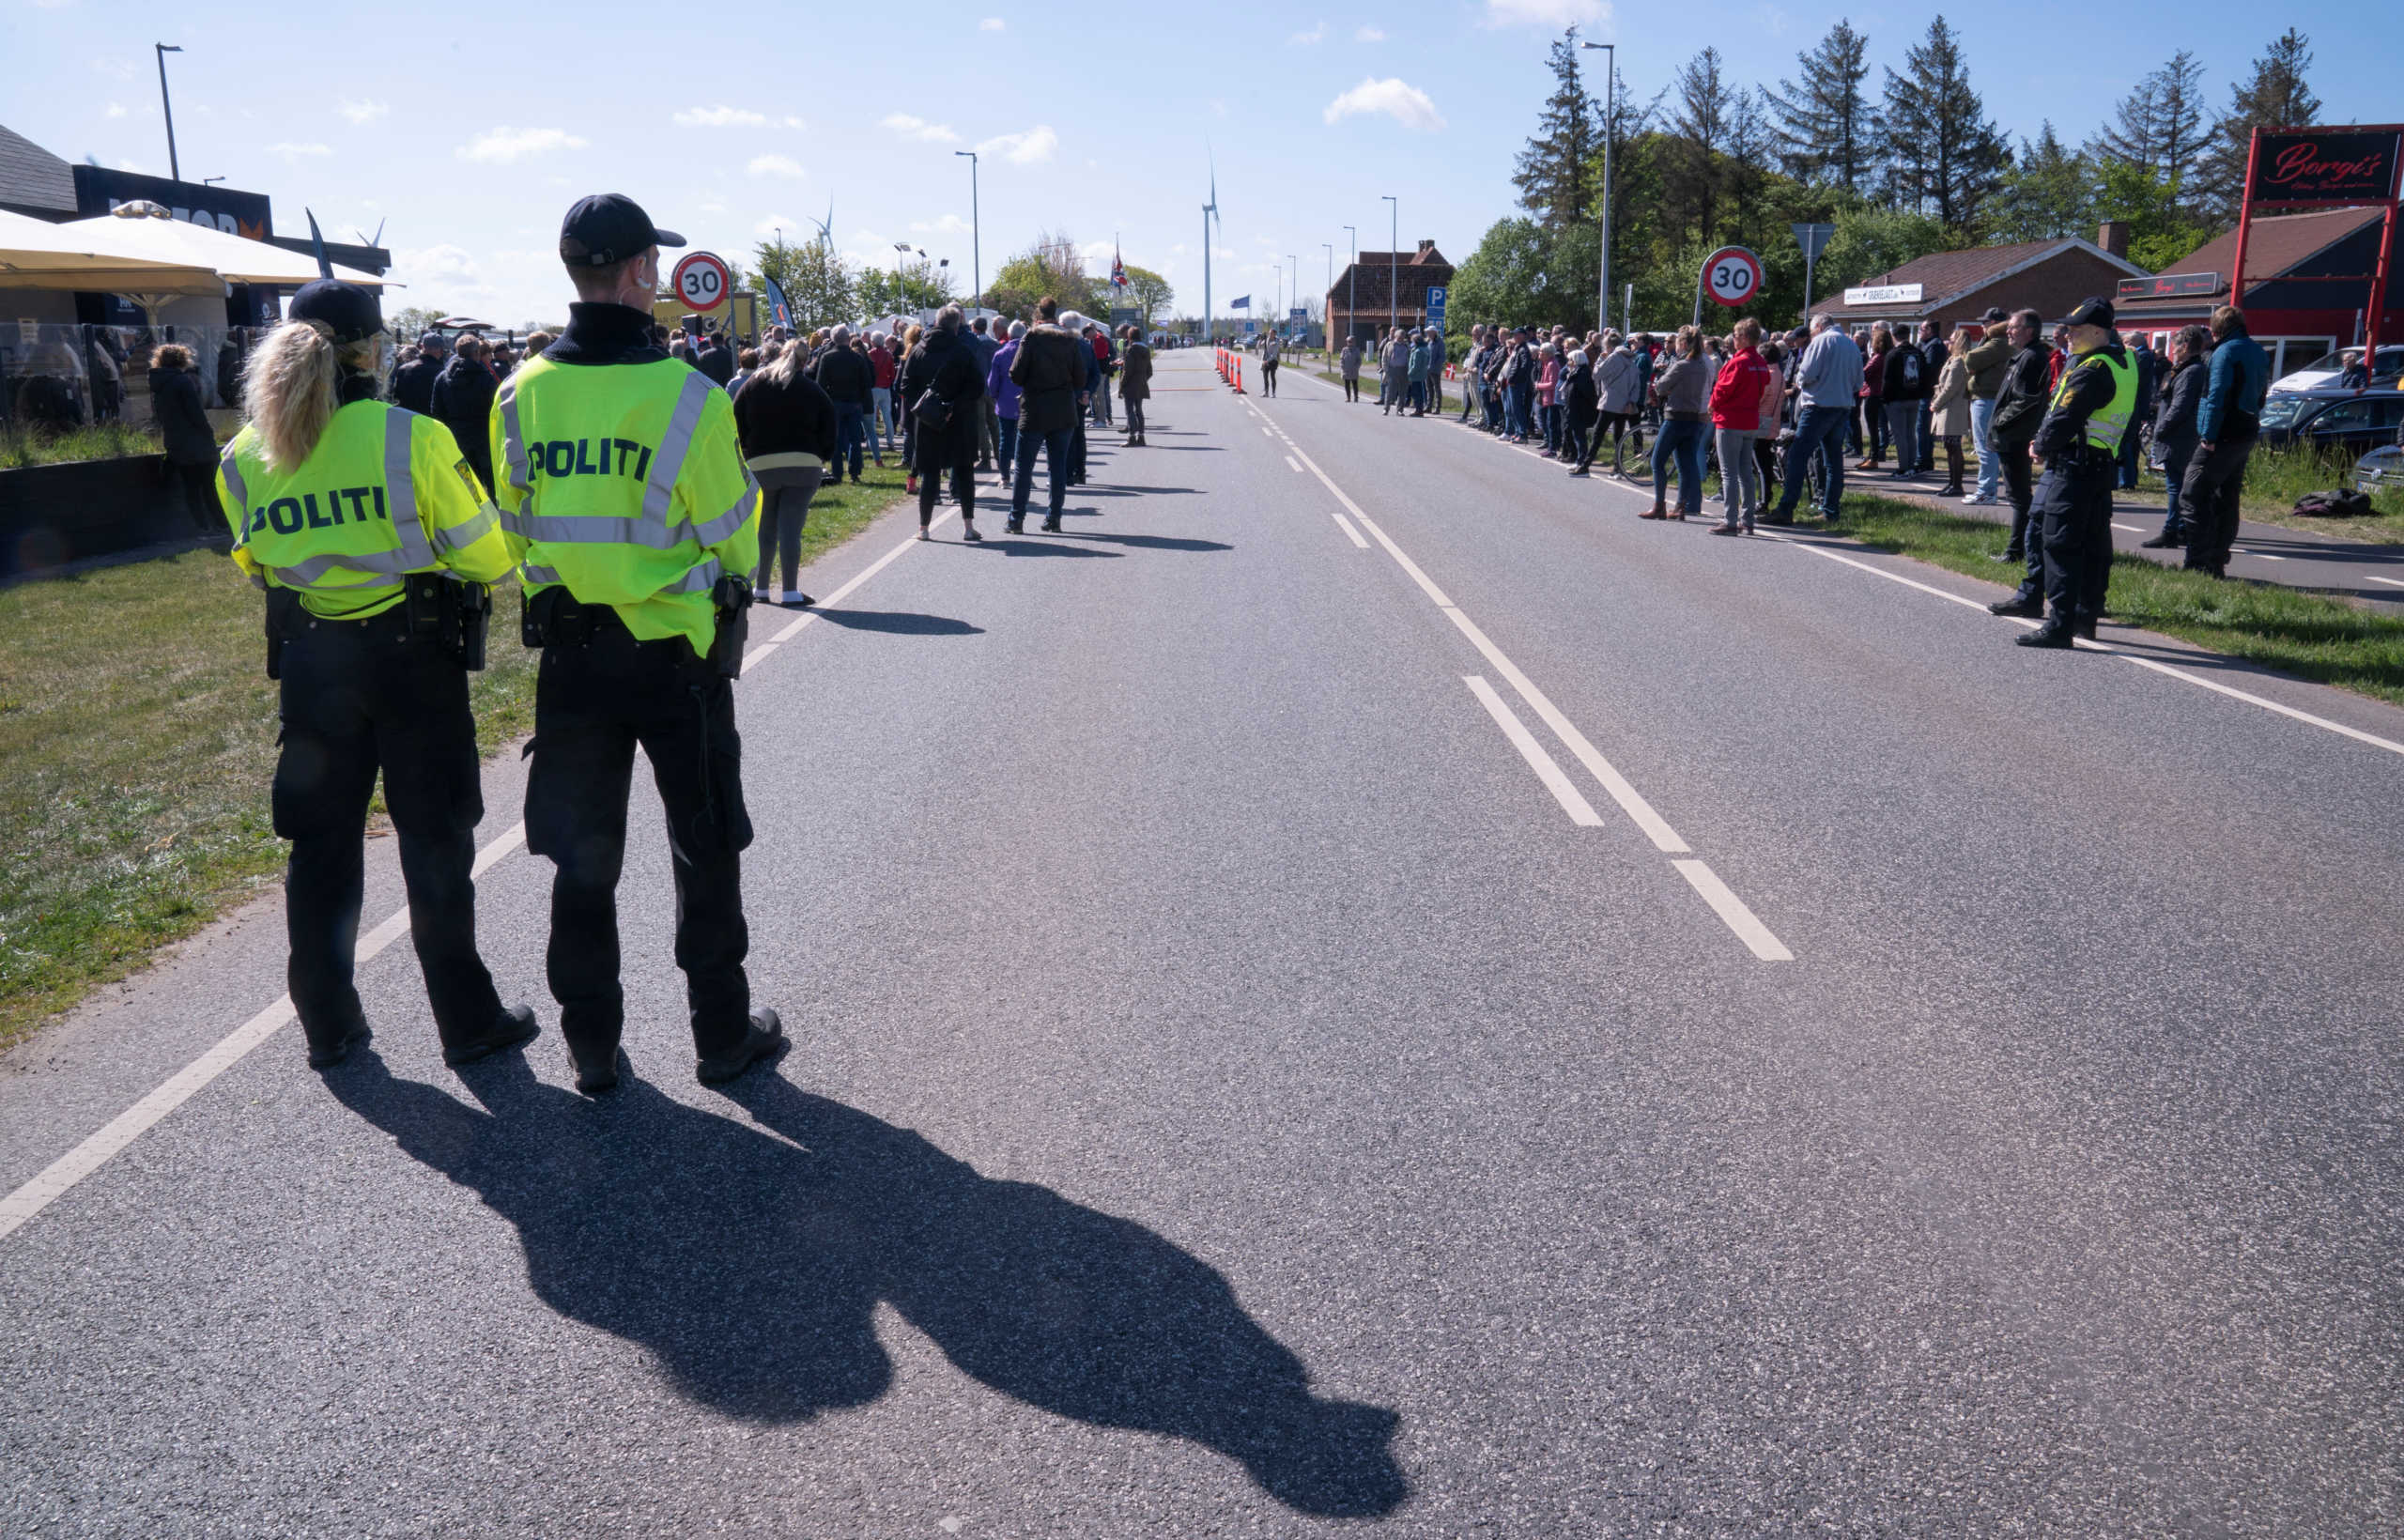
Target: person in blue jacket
2227, 426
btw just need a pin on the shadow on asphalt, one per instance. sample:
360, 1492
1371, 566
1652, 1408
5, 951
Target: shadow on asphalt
899, 622
1013, 545
750, 1269
1152, 542
1121, 489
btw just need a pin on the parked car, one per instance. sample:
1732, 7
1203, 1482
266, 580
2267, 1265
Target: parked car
2330, 369
2334, 419
2379, 469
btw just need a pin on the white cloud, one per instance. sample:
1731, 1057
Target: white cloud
293, 154
1406, 104
991, 24
116, 109
775, 165
444, 264
951, 225
782, 224
920, 129
507, 145
1036, 143
1316, 35
720, 117
1551, 14
1369, 35
364, 111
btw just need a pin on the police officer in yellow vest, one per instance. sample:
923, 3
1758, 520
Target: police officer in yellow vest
374, 542
619, 467
2080, 443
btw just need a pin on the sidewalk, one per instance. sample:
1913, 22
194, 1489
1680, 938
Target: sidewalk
2264, 553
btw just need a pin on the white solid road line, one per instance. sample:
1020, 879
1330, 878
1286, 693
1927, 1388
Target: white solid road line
1748, 928
1352, 532
1572, 801
2389, 581
2131, 528
61, 1174
1295, 463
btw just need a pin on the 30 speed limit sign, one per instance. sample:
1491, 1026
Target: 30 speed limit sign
701, 280
1732, 275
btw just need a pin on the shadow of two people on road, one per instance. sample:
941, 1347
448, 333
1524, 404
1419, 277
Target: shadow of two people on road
749, 1268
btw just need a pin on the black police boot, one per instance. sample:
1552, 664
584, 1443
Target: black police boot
765, 1042
1052, 525
328, 1049
1015, 526
2085, 626
596, 1069
2056, 632
2167, 540
515, 1029
2033, 610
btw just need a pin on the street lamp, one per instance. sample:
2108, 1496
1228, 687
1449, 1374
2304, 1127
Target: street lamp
1393, 269
1296, 292
976, 233
175, 169
1329, 247
1611, 81
1352, 286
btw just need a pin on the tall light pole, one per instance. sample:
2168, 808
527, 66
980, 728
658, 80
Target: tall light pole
1352, 286
1611, 83
1209, 212
1296, 292
175, 169
1394, 267
976, 234
1324, 316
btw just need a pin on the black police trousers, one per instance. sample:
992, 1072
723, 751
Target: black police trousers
592, 705
2073, 514
360, 696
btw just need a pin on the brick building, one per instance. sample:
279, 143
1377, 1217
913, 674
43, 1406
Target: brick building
2050, 277
1390, 285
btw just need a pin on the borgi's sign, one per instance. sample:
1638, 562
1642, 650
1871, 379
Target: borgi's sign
2171, 286
1883, 293
2326, 165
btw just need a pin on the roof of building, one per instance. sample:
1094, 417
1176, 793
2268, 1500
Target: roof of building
1945, 277
33, 177
2274, 244
1367, 275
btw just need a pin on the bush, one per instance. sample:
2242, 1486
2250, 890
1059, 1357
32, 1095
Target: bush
21, 446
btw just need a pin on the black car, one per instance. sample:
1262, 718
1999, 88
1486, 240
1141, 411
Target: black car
2347, 423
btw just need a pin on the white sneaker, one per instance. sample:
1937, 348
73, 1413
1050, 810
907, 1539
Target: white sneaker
760, 596
793, 595
1980, 500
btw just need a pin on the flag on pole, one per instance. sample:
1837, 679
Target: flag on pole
1117, 269
780, 313
1241, 303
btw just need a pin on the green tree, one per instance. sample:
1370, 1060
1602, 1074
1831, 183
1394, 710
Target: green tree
911, 286
409, 324
1944, 155
1826, 131
1052, 266
2049, 195
1150, 293
1870, 241
2160, 232
2274, 96
1552, 173
2159, 126
817, 283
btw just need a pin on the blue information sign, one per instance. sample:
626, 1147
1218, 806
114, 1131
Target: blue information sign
1436, 307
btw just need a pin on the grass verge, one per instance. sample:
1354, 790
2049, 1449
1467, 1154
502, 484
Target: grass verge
2308, 634
21, 447
138, 733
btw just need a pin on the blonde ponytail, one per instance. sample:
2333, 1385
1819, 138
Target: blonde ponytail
289, 389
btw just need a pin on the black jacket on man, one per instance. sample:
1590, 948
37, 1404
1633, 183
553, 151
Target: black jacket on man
413, 384
2020, 405
1580, 395
463, 395
1050, 370
846, 377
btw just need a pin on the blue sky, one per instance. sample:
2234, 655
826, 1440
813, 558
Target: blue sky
468, 129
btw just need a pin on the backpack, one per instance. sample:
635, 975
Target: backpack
1908, 357
2334, 505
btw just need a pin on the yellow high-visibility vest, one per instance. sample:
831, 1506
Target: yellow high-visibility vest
2107, 424
385, 493
627, 484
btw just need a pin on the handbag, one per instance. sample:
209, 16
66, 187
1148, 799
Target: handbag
931, 411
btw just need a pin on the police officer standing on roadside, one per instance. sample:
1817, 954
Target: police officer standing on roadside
2079, 440
373, 542
620, 469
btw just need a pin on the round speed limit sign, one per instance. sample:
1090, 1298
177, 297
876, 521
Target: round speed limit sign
1732, 275
701, 280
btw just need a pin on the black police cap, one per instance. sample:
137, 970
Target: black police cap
2091, 312
609, 227
352, 313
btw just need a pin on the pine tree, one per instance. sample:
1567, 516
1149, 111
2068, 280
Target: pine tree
1946, 156
2275, 97
1702, 110
2159, 127
2049, 195
1825, 129
1551, 172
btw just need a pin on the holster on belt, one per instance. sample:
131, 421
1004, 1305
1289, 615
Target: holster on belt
554, 618
452, 614
731, 597
283, 609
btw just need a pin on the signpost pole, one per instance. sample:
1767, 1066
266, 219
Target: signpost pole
2379, 292
2245, 220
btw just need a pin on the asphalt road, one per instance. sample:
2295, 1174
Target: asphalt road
1362, 987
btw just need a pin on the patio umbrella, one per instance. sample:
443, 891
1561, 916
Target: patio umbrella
36, 254
133, 230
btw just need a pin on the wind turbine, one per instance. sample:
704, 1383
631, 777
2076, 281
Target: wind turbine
1210, 217
827, 225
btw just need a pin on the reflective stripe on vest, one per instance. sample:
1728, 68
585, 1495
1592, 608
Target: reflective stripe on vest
233, 484
699, 580
651, 528
2108, 424
396, 508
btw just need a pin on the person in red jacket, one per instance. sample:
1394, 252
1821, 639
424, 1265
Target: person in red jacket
1737, 417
